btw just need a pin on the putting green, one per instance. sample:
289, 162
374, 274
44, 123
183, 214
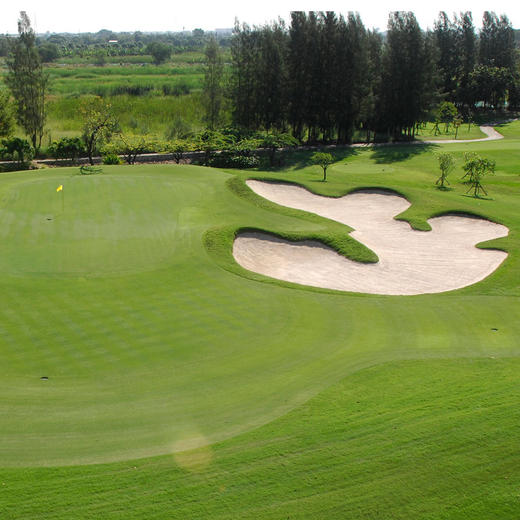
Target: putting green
151, 346
98, 225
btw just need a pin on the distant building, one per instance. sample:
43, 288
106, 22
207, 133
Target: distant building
112, 41
223, 32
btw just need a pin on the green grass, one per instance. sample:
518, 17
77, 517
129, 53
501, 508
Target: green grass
465, 132
415, 439
303, 403
105, 81
184, 57
155, 114
146, 98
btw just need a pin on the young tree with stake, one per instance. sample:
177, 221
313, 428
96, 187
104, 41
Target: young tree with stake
476, 167
446, 163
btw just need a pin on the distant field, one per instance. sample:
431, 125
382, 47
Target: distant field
110, 80
156, 114
145, 97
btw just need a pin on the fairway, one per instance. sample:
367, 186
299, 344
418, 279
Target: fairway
181, 385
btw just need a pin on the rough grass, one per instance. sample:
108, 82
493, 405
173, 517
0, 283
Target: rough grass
155, 114
105, 83
305, 404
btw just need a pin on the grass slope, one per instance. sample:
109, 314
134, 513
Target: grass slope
415, 439
171, 352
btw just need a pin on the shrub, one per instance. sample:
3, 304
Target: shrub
16, 149
111, 158
160, 52
240, 155
178, 148
67, 148
179, 129
179, 89
229, 160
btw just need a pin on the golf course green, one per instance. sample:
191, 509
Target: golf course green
146, 374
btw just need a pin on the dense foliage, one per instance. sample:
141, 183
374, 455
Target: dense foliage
320, 78
324, 77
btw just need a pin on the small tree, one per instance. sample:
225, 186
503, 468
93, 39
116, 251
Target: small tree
213, 90
98, 124
446, 164
48, 52
471, 162
131, 146
476, 168
457, 122
159, 51
27, 82
209, 141
100, 57
324, 160
178, 148
447, 111
16, 149
67, 148
274, 141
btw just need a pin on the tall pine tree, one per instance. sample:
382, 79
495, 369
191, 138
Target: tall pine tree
27, 81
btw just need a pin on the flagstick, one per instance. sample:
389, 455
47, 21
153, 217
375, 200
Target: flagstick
62, 202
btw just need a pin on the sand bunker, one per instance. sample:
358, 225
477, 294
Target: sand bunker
410, 262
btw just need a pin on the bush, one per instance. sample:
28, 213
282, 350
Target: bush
16, 149
179, 89
178, 148
67, 148
133, 145
48, 52
179, 129
230, 159
160, 52
112, 158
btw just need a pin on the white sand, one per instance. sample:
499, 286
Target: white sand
410, 262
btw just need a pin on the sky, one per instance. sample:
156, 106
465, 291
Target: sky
161, 15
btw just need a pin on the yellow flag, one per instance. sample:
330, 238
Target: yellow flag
60, 187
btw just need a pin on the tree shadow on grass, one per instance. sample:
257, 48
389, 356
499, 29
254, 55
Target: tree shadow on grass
397, 152
478, 197
299, 159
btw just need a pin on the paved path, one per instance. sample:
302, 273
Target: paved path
492, 135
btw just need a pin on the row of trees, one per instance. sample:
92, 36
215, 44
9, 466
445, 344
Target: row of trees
322, 78
472, 68
52, 46
325, 76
